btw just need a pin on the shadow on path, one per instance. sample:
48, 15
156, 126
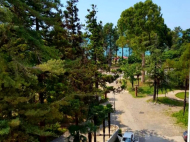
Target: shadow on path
148, 136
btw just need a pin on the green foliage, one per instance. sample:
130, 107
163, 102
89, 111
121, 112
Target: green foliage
143, 90
124, 84
53, 66
134, 59
5, 129
95, 48
50, 77
171, 54
110, 36
74, 34
180, 118
5, 15
122, 41
129, 72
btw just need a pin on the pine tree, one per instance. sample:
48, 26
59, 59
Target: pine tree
27, 113
73, 27
110, 36
95, 36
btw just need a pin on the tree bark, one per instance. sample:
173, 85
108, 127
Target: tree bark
94, 135
109, 123
37, 25
105, 95
89, 137
104, 130
138, 79
77, 123
129, 51
42, 138
184, 105
95, 130
41, 99
116, 55
122, 53
132, 84
96, 85
110, 58
143, 65
154, 96
157, 89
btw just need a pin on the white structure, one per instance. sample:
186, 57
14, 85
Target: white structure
188, 134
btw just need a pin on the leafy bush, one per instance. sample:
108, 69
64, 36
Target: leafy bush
119, 70
124, 84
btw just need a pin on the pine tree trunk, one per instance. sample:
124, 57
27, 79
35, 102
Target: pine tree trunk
95, 130
37, 25
42, 138
116, 55
138, 79
94, 135
132, 83
96, 85
110, 55
143, 65
184, 105
42, 123
109, 123
110, 58
76, 119
106, 53
41, 99
105, 95
76, 123
104, 130
96, 75
154, 96
129, 51
157, 89
122, 53
89, 137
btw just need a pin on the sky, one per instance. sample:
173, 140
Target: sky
175, 12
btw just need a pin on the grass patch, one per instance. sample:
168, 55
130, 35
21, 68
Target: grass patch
181, 95
167, 101
144, 89
180, 118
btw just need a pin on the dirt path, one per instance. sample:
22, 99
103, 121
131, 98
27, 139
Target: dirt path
146, 119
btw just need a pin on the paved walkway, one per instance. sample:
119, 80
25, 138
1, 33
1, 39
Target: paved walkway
149, 121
